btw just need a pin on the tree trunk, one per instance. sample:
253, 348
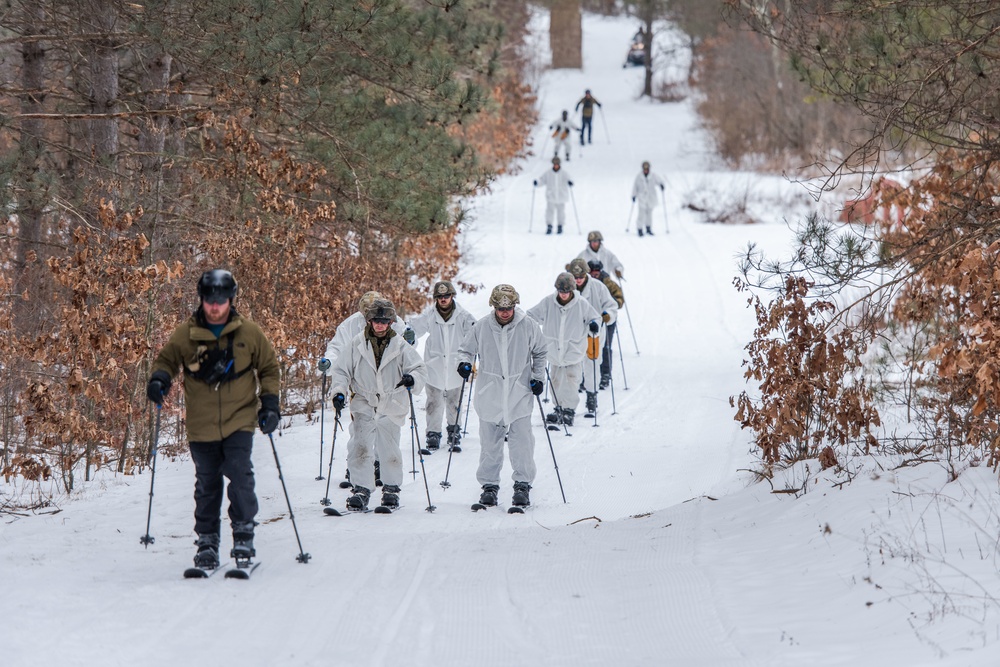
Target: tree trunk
647, 46
566, 34
101, 20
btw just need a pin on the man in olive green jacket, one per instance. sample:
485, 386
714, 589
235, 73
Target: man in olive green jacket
226, 358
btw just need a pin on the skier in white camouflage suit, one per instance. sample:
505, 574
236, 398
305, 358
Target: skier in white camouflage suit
644, 195
376, 369
557, 184
566, 319
600, 298
561, 129
446, 324
352, 325
511, 375
596, 250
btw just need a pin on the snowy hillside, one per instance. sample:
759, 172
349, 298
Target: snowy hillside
666, 552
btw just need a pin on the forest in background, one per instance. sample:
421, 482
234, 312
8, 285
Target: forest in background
317, 150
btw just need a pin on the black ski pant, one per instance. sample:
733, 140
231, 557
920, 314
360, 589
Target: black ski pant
228, 458
608, 353
587, 125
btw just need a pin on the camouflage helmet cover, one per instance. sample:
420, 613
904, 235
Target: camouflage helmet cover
504, 296
578, 267
565, 282
556, 160
645, 165
380, 308
595, 236
443, 288
366, 300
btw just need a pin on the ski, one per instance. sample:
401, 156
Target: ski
344, 484
382, 509
479, 506
516, 509
329, 511
202, 573
242, 572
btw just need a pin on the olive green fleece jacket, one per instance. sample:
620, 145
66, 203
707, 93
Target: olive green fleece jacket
214, 413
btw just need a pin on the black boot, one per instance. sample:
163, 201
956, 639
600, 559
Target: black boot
605, 381
243, 541
489, 495
649, 230
548, 229
591, 403
454, 438
207, 557
359, 501
554, 417
567, 416
559, 229
390, 496
521, 490
433, 439
640, 232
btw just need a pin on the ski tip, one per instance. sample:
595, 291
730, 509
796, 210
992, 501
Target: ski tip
329, 511
478, 506
515, 510
345, 485
195, 573
237, 574
382, 509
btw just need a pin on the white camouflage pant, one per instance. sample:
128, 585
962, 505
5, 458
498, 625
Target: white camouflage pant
565, 385
645, 219
374, 437
520, 447
555, 210
441, 403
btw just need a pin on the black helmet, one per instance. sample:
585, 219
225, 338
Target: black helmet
216, 286
595, 265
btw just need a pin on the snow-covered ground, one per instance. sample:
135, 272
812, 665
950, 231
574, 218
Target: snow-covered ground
666, 552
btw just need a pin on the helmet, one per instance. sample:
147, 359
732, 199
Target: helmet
565, 282
594, 236
556, 160
443, 288
578, 267
366, 300
645, 165
596, 265
381, 308
565, 114
216, 286
587, 92
504, 296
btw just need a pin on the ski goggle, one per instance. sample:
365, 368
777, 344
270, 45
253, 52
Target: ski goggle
381, 320
215, 297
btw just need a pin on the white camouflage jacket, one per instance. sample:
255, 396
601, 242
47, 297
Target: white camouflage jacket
566, 328
441, 348
375, 391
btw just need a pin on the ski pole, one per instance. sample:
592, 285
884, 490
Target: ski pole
663, 198
148, 539
621, 361
558, 407
329, 471
413, 418
323, 366
413, 448
468, 406
604, 124
548, 437
629, 223
630, 328
546, 399
572, 198
531, 213
451, 450
303, 557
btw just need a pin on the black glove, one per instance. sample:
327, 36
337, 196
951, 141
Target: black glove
537, 387
465, 370
409, 336
158, 387
633, 199
570, 183
268, 415
405, 381
535, 183
663, 188
338, 402
594, 327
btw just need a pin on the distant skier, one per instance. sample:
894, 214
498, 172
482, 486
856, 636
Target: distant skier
607, 354
511, 351
587, 115
557, 184
446, 324
561, 129
230, 369
566, 320
644, 194
596, 250
376, 369
600, 298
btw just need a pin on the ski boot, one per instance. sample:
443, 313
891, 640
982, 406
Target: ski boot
555, 417
520, 498
359, 501
548, 229
243, 542
390, 496
591, 403
433, 440
454, 439
605, 381
567, 416
489, 496
378, 474
649, 231
640, 232
559, 228
207, 557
